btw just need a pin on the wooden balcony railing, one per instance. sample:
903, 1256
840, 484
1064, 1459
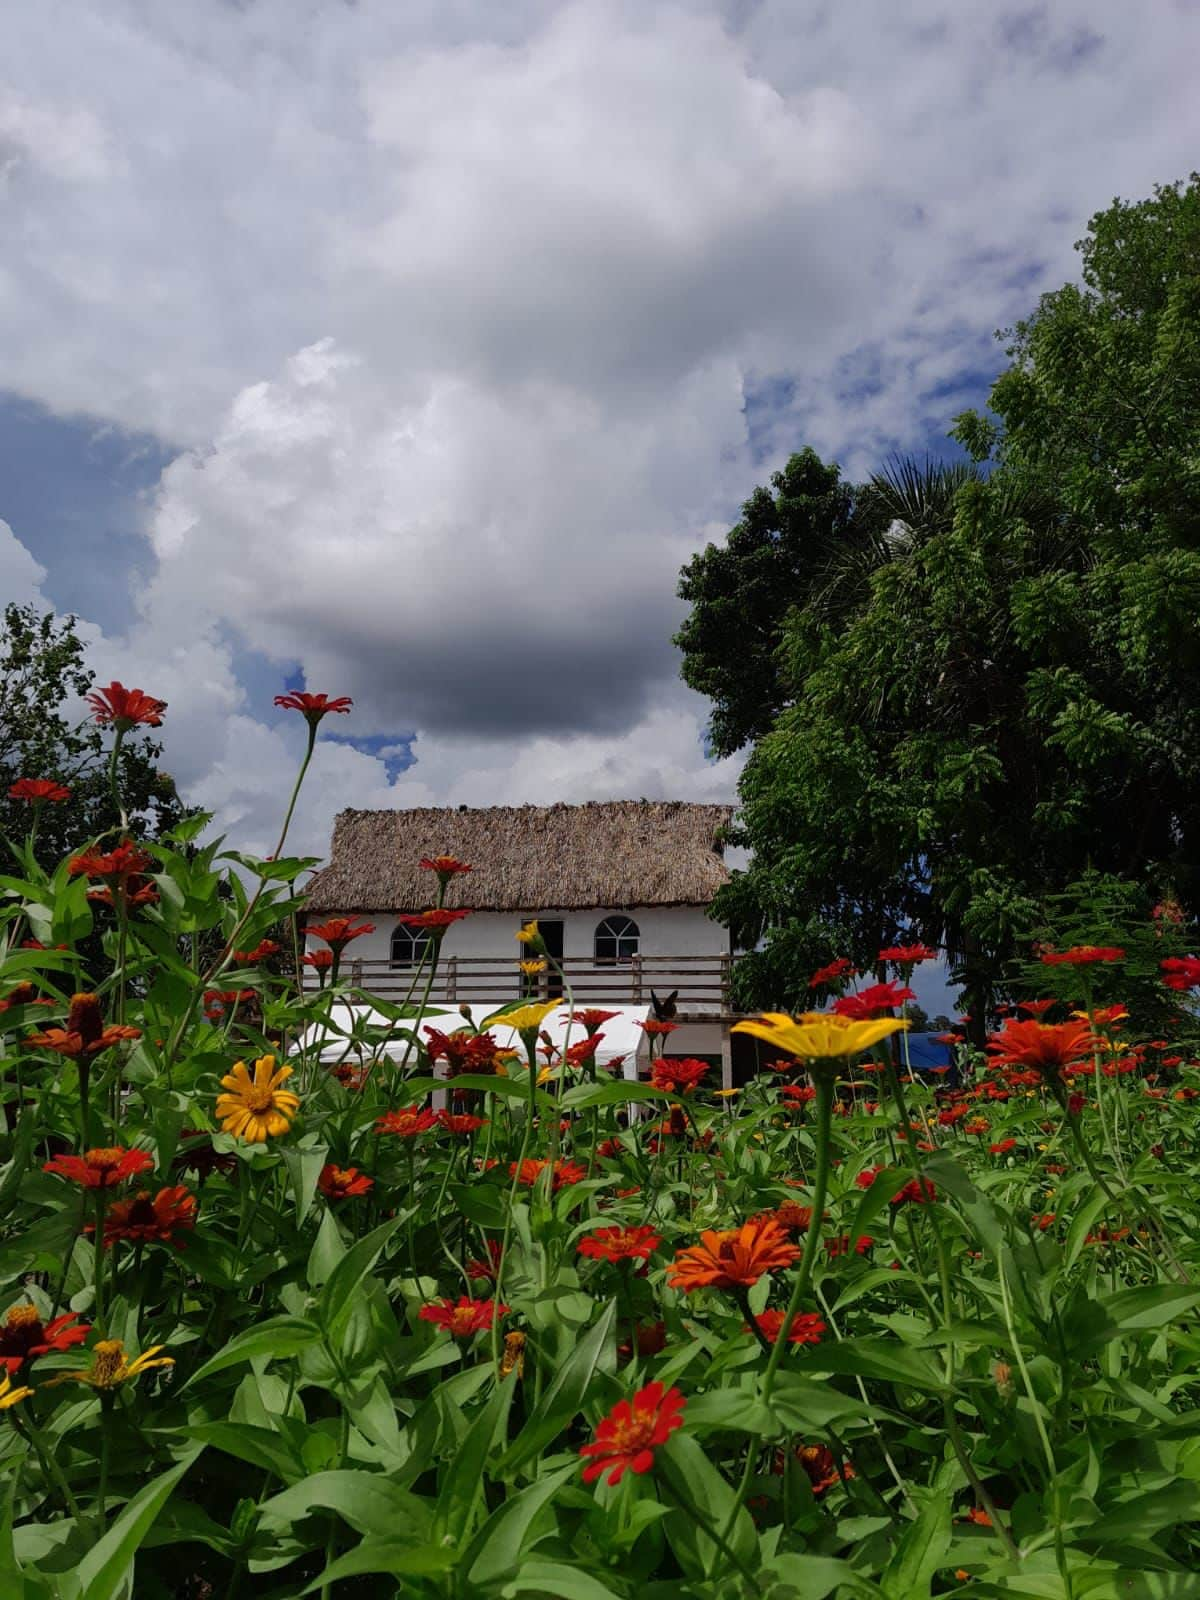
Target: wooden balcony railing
702, 981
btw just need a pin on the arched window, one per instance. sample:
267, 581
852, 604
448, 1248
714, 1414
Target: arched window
616, 940
409, 945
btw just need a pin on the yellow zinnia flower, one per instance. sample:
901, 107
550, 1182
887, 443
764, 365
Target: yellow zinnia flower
255, 1108
111, 1367
524, 1018
10, 1396
529, 933
531, 968
819, 1035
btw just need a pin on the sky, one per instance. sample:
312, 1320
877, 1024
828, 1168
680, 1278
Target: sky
406, 351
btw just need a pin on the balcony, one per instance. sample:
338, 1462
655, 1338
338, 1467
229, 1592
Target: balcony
485, 983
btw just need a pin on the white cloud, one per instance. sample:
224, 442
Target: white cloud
453, 310
21, 576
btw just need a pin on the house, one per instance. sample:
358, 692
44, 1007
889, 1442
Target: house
619, 889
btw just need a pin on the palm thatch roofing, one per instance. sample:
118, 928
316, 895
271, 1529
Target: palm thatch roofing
612, 854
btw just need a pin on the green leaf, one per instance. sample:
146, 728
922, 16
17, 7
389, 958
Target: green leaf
816, 1577
694, 1480
909, 1573
545, 1578
336, 1305
499, 1544
105, 1570
387, 1555
261, 1447
276, 1339
368, 1501
463, 1479
613, 1093
1094, 1323
304, 1164
887, 1359
565, 1395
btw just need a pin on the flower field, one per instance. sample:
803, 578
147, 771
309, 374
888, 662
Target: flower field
443, 1319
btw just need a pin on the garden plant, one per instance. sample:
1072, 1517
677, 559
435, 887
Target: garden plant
297, 1305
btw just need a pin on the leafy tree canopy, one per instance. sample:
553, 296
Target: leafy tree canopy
43, 678
1004, 696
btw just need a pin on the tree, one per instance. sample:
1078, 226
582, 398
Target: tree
42, 673
789, 546
1009, 698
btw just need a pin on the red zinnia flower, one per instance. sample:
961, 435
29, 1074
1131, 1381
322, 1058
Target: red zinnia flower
650, 1338
144, 1220
462, 1318
338, 931
806, 1327
322, 960
1081, 955
591, 1018
486, 1269
38, 790
839, 1246
1036, 1008
800, 1094
437, 919
820, 1467
462, 1051
407, 1124
841, 968
1002, 1148
867, 1177
343, 1183
1180, 972
125, 860
610, 1150
920, 1191
628, 1436
125, 708
444, 866
460, 1122
24, 994
905, 955
100, 1169
313, 706
531, 1169
263, 949
680, 1077
23, 1335
654, 1029
620, 1244
868, 1002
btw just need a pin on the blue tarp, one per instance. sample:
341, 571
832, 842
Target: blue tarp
925, 1050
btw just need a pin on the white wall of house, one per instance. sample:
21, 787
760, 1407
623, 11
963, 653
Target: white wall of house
491, 935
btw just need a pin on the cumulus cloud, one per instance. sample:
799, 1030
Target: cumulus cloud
457, 315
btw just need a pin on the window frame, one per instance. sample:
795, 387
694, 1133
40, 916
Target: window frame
616, 930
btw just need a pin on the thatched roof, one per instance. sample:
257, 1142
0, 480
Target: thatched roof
611, 854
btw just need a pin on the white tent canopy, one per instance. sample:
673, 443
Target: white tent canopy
622, 1034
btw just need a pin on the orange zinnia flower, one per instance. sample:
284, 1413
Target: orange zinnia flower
85, 1034
125, 708
1046, 1046
733, 1258
342, 1183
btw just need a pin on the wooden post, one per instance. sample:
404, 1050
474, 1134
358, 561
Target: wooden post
451, 977
726, 1057
635, 974
726, 985
356, 973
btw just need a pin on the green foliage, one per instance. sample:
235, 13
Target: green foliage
1009, 700
43, 679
